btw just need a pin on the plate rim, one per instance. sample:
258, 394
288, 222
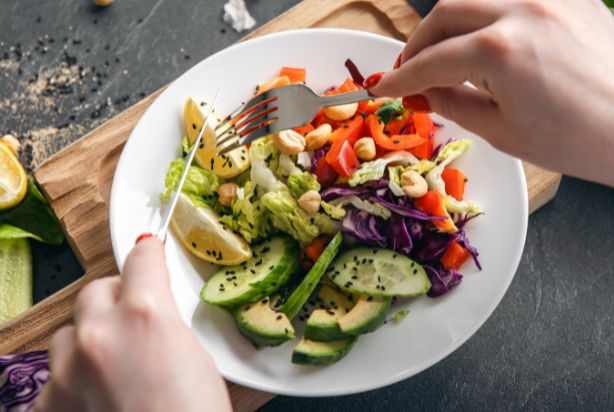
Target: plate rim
393, 378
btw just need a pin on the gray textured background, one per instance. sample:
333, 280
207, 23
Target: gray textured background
548, 346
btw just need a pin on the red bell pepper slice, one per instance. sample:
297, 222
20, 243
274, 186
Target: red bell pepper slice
325, 174
454, 256
342, 158
455, 182
433, 203
303, 130
394, 142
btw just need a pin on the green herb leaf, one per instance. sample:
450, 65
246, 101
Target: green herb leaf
400, 315
389, 109
11, 232
33, 215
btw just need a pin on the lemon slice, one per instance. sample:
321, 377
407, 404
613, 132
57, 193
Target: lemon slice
13, 179
200, 231
225, 166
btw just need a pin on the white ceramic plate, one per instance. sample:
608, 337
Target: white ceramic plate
435, 327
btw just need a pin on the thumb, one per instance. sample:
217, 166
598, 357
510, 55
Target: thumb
145, 269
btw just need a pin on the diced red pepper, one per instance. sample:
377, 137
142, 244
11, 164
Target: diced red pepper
455, 182
433, 203
325, 173
310, 253
425, 128
454, 256
295, 74
342, 158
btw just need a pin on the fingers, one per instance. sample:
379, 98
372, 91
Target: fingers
471, 109
56, 394
145, 270
97, 298
451, 18
446, 64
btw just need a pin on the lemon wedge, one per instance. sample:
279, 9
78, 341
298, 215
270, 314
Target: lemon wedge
13, 179
225, 166
199, 230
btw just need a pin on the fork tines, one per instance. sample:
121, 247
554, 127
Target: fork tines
246, 123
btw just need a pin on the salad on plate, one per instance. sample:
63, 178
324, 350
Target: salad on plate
330, 223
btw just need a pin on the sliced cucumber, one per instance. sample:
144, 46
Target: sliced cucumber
309, 352
301, 294
15, 277
367, 315
378, 273
271, 266
262, 325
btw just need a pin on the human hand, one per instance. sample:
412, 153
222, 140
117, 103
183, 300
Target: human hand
129, 349
544, 72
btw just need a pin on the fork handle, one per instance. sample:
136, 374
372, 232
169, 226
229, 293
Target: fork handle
344, 98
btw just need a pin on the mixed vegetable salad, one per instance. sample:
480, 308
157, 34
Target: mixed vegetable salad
329, 223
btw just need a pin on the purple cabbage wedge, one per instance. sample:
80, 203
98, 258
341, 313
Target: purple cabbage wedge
21, 379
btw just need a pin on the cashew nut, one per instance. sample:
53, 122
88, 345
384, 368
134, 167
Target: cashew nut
364, 148
405, 158
12, 143
341, 112
319, 137
289, 142
227, 193
413, 184
310, 201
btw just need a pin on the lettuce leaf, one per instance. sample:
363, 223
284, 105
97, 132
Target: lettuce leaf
198, 182
302, 182
264, 157
248, 217
335, 212
288, 217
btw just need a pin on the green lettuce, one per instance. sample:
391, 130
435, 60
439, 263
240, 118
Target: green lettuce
300, 183
374, 169
264, 157
249, 217
447, 155
335, 212
423, 166
199, 182
287, 216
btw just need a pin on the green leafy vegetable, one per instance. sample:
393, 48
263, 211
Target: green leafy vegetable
12, 232
390, 109
249, 217
34, 216
373, 170
288, 217
264, 158
336, 212
185, 145
300, 183
198, 182
400, 315
447, 155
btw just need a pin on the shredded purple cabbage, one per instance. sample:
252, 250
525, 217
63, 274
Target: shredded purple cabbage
463, 240
442, 280
432, 246
21, 379
398, 236
403, 208
364, 227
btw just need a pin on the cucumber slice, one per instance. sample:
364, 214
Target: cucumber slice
309, 352
378, 273
262, 325
300, 295
15, 278
271, 266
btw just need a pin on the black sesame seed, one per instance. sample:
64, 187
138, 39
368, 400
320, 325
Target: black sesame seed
279, 317
194, 245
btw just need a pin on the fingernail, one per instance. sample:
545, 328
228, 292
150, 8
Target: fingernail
397, 62
372, 80
417, 103
143, 236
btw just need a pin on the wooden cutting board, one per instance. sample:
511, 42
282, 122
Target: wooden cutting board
77, 180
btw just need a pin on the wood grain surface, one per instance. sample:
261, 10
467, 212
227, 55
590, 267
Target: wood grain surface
77, 180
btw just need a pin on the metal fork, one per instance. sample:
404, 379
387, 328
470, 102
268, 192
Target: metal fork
275, 110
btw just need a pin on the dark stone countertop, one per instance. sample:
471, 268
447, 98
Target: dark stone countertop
548, 346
